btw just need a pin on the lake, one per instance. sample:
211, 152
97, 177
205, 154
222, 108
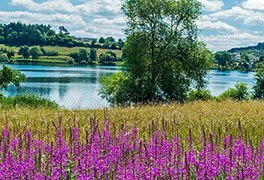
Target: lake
77, 87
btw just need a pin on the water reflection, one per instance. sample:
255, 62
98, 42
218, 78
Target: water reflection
77, 87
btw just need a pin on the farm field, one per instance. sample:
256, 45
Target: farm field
63, 51
62, 58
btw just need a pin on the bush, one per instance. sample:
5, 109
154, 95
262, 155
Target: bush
199, 95
259, 86
71, 61
3, 57
52, 53
32, 101
240, 92
108, 57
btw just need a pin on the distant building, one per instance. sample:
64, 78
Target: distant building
236, 56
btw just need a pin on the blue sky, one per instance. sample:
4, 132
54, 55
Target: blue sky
224, 23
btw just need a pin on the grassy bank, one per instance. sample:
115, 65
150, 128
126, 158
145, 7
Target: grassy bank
62, 58
222, 118
26, 101
63, 51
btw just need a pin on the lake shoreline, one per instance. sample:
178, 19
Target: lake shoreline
77, 86
118, 64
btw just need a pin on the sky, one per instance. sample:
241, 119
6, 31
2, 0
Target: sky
224, 24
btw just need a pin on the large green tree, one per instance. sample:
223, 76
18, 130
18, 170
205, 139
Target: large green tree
164, 59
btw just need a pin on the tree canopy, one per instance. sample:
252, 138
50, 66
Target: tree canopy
20, 34
223, 59
164, 59
9, 76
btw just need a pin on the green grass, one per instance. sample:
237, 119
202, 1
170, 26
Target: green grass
27, 100
63, 50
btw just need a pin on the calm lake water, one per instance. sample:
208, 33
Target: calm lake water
77, 87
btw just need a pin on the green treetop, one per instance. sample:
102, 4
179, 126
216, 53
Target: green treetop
163, 56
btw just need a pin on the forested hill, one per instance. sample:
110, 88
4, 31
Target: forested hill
257, 48
19, 34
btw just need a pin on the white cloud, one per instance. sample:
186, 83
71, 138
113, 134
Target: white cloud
218, 25
228, 41
91, 18
253, 5
96, 18
212, 5
237, 13
52, 19
92, 7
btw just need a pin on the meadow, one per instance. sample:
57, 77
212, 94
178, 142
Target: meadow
222, 118
199, 140
63, 51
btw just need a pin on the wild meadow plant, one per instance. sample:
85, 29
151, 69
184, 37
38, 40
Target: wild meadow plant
105, 154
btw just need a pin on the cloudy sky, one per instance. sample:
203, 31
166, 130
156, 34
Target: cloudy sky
223, 25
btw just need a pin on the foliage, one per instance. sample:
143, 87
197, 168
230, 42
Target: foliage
107, 57
93, 54
259, 46
240, 92
10, 54
24, 51
33, 34
35, 52
121, 44
199, 95
163, 56
113, 88
27, 100
81, 56
223, 59
259, 86
3, 57
101, 40
9, 76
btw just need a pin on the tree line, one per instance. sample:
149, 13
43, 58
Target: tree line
19, 34
246, 61
83, 56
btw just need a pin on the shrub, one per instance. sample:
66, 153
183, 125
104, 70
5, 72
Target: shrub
108, 57
240, 92
71, 61
202, 95
259, 86
26, 100
3, 57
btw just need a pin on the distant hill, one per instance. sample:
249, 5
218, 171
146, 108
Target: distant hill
20, 34
258, 48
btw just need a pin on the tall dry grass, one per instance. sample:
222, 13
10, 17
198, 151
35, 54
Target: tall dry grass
221, 118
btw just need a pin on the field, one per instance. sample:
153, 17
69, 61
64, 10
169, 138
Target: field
63, 53
219, 117
201, 140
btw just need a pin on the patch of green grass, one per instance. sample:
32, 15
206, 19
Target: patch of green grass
63, 50
29, 101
